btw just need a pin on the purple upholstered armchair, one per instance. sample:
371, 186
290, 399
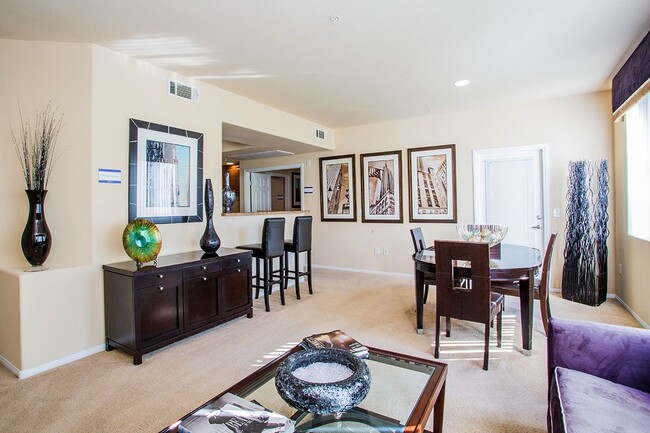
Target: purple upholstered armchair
599, 378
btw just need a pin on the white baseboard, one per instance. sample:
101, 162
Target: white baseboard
364, 271
24, 374
636, 316
9, 366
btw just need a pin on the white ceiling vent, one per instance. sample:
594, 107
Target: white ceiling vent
184, 91
262, 154
320, 134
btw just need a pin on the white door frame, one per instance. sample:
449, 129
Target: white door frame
247, 181
481, 155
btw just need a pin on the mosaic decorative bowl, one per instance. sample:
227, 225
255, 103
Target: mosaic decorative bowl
490, 233
141, 241
318, 397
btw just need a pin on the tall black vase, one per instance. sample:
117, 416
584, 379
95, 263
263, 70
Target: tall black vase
36, 240
210, 241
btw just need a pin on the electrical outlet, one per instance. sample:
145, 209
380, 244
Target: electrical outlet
377, 251
386, 251
556, 212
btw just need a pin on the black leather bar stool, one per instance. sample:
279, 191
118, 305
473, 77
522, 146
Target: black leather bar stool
301, 242
272, 246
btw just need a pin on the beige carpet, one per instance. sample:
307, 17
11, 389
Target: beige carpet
106, 392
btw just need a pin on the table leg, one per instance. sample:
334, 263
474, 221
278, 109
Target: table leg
526, 306
439, 410
419, 299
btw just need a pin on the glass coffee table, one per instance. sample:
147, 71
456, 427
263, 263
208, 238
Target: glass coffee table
403, 393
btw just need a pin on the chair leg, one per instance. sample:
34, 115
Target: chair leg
267, 305
296, 268
311, 292
286, 270
486, 350
426, 293
545, 310
257, 277
448, 323
282, 264
499, 327
436, 353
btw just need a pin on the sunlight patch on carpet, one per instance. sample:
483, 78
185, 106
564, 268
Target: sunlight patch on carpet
275, 353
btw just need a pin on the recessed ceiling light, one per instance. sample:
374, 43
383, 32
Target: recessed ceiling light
335, 18
462, 83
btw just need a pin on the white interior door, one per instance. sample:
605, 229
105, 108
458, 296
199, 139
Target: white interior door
260, 192
509, 186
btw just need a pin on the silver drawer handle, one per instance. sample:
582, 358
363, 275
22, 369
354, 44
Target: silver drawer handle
205, 279
204, 267
238, 260
160, 276
161, 288
238, 270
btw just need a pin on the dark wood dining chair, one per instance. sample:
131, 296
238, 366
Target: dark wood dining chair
418, 245
474, 300
271, 247
300, 243
541, 286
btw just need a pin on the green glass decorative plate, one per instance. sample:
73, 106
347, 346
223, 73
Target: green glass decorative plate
141, 240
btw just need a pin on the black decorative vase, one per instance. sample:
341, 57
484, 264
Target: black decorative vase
210, 241
36, 240
228, 195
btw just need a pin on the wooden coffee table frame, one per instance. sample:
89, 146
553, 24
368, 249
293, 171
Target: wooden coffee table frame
431, 399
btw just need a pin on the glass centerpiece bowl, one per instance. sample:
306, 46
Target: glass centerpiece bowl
490, 233
312, 380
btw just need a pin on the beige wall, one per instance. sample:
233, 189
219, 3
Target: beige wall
633, 254
125, 88
61, 314
33, 74
10, 317
573, 128
61, 310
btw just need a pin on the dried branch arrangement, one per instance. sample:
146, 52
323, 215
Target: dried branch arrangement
35, 146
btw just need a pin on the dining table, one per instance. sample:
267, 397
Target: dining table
508, 262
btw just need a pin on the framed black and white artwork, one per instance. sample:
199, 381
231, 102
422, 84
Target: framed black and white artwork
337, 188
432, 184
381, 187
165, 173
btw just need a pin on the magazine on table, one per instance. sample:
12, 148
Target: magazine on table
232, 414
335, 340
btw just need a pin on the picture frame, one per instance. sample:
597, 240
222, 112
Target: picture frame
337, 188
295, 190
381, 187
165, 173
432, 184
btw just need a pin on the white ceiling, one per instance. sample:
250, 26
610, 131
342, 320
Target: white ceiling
381, 60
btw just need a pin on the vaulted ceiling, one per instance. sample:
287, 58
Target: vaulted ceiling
344, 63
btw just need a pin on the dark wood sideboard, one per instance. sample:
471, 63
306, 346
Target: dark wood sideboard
148, 308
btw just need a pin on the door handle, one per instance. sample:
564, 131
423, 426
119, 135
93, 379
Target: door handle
537, 227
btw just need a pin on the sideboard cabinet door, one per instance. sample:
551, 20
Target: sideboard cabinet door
201, 303
236, 290
159, 312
